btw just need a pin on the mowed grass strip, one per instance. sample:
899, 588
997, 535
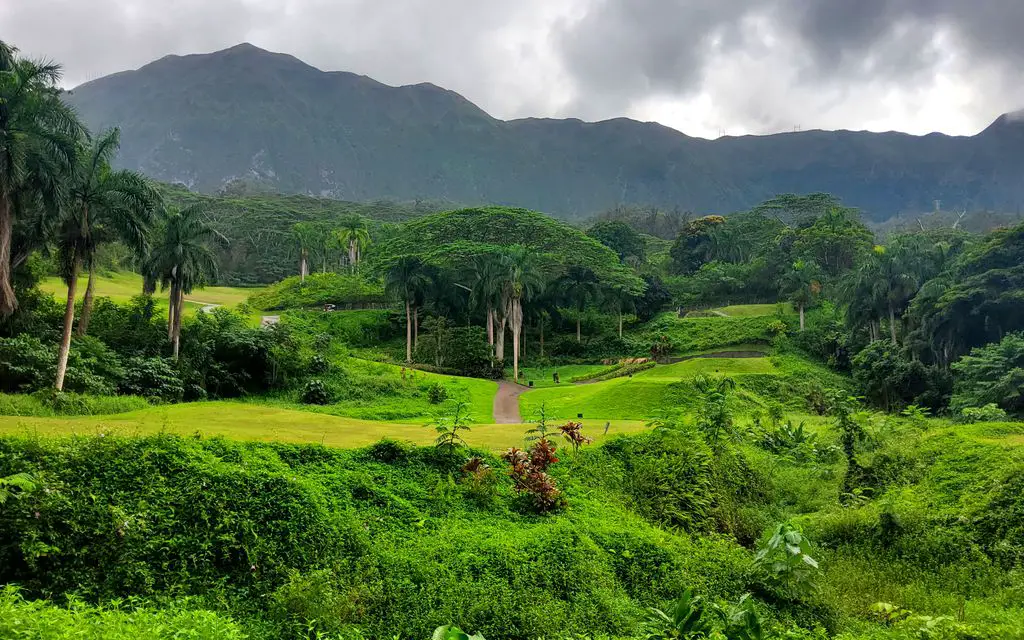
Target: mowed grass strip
646, 395
244, 421
754, 310
123, 286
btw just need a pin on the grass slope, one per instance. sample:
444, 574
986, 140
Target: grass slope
250, 421
755, 310
123, 286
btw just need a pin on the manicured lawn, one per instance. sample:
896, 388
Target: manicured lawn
646, 395
247, 421
751, 310
543, 376
123, 286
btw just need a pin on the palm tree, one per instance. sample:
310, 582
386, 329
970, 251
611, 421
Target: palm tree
485, 276
579, 286
102, 205
305, 236
803, 285
523, 278
38, 142
403, 279
353, 236
181, 259
621, 300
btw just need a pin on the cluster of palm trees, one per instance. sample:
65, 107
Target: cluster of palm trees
59, 192
503, 287
350, 236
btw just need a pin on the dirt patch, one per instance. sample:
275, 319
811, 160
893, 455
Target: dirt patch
506, 403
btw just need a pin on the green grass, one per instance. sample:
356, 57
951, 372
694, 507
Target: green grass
265, 423
542, 376
123, 286
753, 310
646, 395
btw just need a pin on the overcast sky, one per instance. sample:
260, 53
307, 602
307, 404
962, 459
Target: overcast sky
703, 67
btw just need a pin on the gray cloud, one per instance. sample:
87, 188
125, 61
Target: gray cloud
733, 65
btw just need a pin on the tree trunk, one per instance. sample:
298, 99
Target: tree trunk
517, 329
801, 317
542, 337
69, 319
83, 321
892, 323
620, 325
578, 328
171, 301
352, 260
177, 322
303, 266
415, 327
408, 332
490, 329
499, 339
8, 303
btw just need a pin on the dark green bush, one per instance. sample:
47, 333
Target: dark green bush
315, 392
437, 393
152, 378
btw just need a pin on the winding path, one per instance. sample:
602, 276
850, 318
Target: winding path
506, 402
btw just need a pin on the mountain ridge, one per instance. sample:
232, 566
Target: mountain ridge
246, 114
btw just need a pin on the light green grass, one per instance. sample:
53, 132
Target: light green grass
123, 286
753, 310
245, 421
647, 395
542, 376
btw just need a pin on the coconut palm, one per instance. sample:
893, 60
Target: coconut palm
354, 237
38, 142
102, 205
579, 286
403, 280
305, 236
181, 259
523, 278
803, 284
486, 278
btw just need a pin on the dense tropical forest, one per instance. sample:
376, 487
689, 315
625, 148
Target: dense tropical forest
261, 416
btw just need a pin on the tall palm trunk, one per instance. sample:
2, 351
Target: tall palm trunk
415, 327
177, 322
892, 323
171, 302
8, 303
83, 320
490, 329
801, 317
352, 259
578, 327
408, 332
499, 338
69, 319
620, 324
516, 320
303, 265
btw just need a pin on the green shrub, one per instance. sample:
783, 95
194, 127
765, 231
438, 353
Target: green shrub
151, 377
318, 364
315, 392
993, 374
988, 413
41, 620
318, 289
437, 393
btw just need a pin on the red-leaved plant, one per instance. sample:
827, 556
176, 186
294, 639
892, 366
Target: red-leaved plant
528, 469
573, 432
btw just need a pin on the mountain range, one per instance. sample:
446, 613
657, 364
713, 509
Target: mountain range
268, 119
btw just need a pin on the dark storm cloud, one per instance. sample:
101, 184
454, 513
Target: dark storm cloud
737, 65
623, 49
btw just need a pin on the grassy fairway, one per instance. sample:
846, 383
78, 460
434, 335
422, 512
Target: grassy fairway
643, 396
543, 376
245, 421
752, 310
121, 287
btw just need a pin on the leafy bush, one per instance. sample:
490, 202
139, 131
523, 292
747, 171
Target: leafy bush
988, 413
993, 374
25, 363
153, 378
318, 364
315, 392
887, 377
20, 618
437, 393
784, 560
51, 403
341, 289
